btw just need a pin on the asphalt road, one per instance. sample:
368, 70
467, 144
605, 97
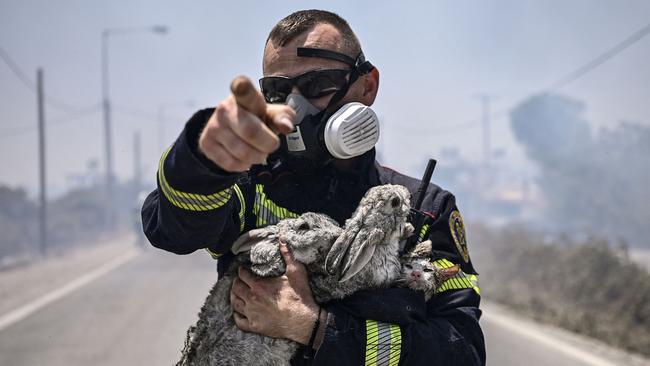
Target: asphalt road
137, 314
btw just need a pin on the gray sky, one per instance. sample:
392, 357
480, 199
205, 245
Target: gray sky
433, 56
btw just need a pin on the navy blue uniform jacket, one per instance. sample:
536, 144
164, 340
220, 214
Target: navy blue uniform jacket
199, 206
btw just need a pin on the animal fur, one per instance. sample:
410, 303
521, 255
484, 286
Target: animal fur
339, 262
420, 274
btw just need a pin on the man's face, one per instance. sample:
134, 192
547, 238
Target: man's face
283, 61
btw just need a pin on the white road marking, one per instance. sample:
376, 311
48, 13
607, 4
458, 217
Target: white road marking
527, 331
26, 310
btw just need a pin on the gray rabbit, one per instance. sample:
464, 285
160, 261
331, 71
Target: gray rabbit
366, 255
339, 262
215, 339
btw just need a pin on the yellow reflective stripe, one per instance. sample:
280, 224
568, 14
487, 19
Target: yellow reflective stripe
371, 342
460, 281
213, 254
383, 343
242, 205
266, 211
258, 207
423, 232
443, 263
190, 201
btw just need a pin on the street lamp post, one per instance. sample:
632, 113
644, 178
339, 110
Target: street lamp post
108, 144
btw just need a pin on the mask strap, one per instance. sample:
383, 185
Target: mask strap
360, 63
321, 53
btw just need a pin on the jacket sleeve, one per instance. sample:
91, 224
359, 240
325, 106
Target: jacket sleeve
196, 204
396, 326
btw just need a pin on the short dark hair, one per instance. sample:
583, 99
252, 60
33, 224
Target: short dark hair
301, 21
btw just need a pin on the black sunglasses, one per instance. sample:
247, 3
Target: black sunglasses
313, 84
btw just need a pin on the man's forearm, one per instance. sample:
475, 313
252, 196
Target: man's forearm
195, 205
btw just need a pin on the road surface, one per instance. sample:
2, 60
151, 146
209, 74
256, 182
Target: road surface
136, 312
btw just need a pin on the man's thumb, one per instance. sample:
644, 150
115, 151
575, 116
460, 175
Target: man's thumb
293, 266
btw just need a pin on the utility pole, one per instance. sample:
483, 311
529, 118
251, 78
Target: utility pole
108, 145
42, 217
137, 163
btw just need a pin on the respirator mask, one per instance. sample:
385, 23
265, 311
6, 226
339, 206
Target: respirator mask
322, 135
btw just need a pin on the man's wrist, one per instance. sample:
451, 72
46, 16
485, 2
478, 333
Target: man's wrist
301, 330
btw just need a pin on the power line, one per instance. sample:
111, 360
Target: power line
29, 84
589, 66
135, 112
72, 117
15, 69
565, 80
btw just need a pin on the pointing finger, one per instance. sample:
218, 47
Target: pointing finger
278, 117
248, 97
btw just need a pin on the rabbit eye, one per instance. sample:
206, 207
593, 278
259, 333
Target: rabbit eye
303, 226
428, 270
408, 266
395, 202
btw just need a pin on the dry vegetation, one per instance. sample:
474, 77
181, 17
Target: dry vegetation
583, 286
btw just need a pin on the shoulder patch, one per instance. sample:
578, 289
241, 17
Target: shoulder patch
457, 228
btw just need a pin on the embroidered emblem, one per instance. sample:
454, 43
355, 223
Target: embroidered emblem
457, 228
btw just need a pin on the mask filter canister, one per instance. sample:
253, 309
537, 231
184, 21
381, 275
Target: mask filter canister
351, 131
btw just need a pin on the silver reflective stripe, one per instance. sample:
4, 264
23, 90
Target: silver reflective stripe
383, 343
267, 212
242, 209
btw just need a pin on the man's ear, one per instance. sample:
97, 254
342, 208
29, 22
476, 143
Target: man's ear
370, 87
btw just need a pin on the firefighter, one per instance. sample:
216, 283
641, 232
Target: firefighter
293, 148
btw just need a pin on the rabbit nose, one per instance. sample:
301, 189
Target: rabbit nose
415, 274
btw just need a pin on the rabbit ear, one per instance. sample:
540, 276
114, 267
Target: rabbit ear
358, 257
338, 251
247, 240
351, 252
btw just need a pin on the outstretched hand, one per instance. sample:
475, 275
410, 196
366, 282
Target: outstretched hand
243, 129
278, 307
